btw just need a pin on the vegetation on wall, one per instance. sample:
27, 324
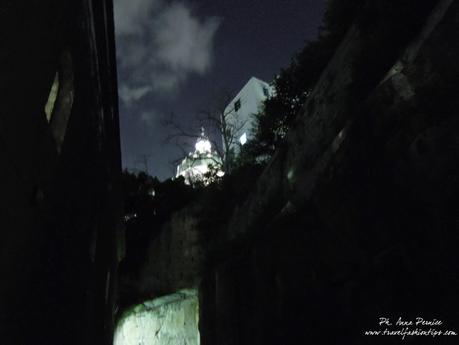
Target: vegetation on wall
294, 83
378, 21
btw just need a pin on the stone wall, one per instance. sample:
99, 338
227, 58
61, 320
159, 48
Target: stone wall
169, 320
353, 220
176, 255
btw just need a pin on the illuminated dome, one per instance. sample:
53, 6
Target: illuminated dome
198, 164
203, 144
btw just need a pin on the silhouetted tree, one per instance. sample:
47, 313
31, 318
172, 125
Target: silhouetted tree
294, 83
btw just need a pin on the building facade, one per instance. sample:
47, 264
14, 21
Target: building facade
239, 113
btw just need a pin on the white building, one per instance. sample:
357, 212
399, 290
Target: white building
239, 113
197, 164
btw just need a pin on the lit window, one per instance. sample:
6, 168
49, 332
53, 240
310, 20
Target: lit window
243, 139
237, 105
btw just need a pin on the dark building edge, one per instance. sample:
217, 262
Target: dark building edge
60, 207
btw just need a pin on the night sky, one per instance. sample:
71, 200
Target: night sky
174, 55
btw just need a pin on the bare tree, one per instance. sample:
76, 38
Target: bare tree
180, 135
221, 122
143, 161
221, 116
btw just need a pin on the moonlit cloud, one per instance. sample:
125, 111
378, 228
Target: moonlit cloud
128, 94
183, 42
132, 15
160, 46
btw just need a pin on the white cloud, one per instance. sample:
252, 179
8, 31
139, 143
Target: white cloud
166, 81
128, 94
132, 15
183, 42
160, 46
